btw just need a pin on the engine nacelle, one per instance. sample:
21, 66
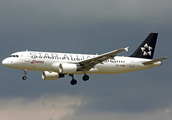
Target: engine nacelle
49, 75
67, 68
55, 67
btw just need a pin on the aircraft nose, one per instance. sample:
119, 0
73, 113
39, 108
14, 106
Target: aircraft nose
8, 62
5, 62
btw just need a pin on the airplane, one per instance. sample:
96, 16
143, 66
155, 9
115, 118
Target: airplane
57, 65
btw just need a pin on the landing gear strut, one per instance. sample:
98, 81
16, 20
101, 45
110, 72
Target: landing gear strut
25, 73
73, 81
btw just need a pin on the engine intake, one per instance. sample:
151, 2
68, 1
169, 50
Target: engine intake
49, 75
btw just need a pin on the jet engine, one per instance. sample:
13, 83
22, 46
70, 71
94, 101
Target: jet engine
67, 68
49, 75
55, 67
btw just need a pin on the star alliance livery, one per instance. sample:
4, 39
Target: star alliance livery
57, 65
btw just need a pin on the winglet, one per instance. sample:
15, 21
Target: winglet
126, 49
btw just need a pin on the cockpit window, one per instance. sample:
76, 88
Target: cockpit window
14, 56
11, 55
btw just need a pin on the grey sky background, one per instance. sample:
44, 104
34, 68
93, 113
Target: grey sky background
86, 26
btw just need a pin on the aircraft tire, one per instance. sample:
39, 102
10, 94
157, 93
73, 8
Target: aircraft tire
24, 77
73, 82
85, 77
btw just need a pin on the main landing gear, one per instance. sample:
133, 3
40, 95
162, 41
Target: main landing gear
74, 82
85, 77
25, 73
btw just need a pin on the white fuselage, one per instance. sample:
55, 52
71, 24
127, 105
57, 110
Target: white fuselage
43, 61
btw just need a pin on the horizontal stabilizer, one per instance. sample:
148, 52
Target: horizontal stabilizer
154, 61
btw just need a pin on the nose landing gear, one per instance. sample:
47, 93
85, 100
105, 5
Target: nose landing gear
24, 77
25, 73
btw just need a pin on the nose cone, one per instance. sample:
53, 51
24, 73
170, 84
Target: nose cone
9, 62
5, 62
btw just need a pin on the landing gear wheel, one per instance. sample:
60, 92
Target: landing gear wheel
24, 77
85, 77
73, 82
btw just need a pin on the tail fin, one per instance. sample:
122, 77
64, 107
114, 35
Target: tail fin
146, 49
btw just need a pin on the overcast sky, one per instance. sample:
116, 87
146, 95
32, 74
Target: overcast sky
85, 26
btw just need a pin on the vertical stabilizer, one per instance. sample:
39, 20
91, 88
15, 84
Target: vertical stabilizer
147, 48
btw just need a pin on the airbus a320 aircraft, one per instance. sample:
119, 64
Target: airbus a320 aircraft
57, 65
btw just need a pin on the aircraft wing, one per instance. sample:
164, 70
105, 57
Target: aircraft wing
154, 61
90, 63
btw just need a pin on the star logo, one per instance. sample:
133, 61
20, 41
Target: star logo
146, 49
